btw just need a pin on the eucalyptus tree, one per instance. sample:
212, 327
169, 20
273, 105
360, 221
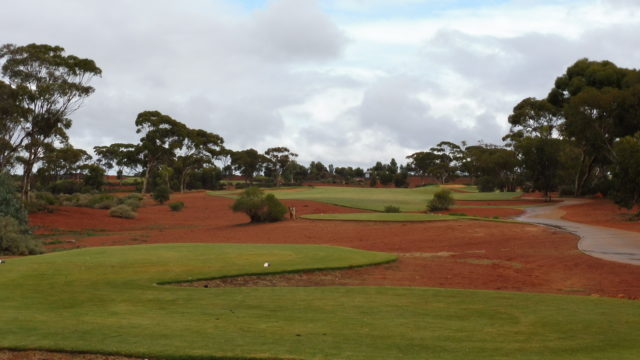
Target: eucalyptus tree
120, 156
161, 137
50, 86
200, 148
279, 159
248, 163
10, 125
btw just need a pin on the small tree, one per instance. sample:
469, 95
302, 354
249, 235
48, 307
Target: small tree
15, 237
161, 194
442, 200
258, 207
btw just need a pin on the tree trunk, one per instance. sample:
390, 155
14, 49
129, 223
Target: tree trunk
145, 182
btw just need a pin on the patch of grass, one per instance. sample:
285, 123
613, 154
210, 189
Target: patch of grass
103, 300
396, 217
374, 198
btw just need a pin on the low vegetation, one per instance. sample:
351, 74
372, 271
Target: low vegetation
123, 211
258, 206
176, 206
442, 200
94, 293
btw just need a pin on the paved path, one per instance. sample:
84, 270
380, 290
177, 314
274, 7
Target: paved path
601, 242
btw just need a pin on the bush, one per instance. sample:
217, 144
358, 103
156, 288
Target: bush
442, 200
487, 184
122, 211
132, 203
391, 209
102, 201
47, 197
65, 187
15, 239
161, 194
176, 206
134, 196
258, 207
274, 209
10, 203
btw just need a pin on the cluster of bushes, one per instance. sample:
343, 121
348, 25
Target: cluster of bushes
15, 235
259, 207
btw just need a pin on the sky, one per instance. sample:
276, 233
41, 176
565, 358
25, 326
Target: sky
345, 82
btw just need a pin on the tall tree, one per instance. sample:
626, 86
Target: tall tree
422, 163
279, 158
161, 137
118, 155
11, 137
248, 162
200, 148
51, 86
626, 172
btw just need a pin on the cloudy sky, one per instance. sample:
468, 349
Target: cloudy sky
347, 82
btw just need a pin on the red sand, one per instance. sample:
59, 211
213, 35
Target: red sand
460, 254
602, 212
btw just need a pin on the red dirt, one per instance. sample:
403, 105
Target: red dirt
460, 254
602, 212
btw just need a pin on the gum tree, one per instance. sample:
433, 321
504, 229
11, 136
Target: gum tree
50, 86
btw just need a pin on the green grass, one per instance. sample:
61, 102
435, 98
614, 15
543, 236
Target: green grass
376, 199
105, 300
395, 217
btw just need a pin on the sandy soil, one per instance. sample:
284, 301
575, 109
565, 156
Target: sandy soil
602, 212
460, 254
447, 254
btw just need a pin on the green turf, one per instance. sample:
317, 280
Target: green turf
394, 217
375, 198
105, 300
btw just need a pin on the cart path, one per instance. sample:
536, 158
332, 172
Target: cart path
601, 242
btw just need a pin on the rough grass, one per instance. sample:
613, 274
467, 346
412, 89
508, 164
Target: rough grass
375, 198
104, 300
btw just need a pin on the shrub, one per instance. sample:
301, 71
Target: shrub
132, 203
274, 209
176, 206
161, 194
391, 209
10, 203
442, 200
122, 211
15, 239
65, 187
134, 196
258, 207
36, 206
47, 198
102, 201
486, 184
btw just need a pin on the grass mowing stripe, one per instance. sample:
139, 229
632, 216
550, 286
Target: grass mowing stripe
376, 199
399, 217
102, 300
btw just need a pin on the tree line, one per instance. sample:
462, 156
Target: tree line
583, 138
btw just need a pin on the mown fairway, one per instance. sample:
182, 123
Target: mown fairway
105, 300
376, 199
395, 217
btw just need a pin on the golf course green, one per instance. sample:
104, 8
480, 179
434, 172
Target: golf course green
111, 300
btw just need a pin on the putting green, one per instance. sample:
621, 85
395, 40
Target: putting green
106, 300
375, 198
